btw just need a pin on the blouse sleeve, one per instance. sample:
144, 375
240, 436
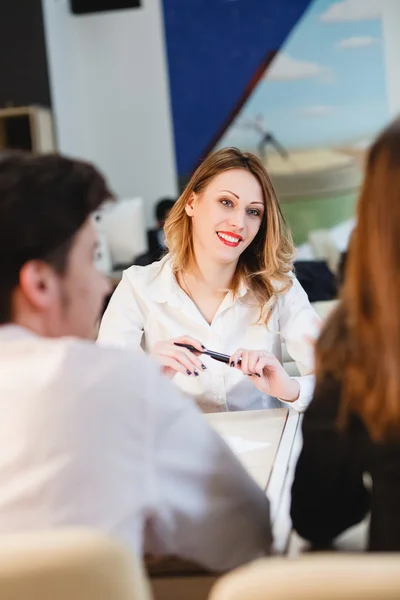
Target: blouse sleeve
121, 324
300, 326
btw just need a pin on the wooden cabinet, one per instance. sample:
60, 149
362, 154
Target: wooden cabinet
27, 128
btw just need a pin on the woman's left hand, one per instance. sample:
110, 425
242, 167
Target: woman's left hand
267, 373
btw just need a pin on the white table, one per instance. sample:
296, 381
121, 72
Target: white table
254, 436
275, 433
271, 465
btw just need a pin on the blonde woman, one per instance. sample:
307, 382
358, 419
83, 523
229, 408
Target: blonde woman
226, 285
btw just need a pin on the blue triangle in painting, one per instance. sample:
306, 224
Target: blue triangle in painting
216, 51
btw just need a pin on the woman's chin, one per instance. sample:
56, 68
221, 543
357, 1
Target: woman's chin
227, 257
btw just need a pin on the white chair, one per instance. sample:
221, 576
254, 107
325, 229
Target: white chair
323, 309
324, 247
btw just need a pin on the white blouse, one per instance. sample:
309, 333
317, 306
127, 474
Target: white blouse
149, 306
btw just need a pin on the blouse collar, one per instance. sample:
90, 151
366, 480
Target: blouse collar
163, 286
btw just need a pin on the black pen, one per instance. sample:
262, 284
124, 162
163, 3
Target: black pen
224, 358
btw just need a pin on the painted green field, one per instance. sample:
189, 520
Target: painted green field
306, 215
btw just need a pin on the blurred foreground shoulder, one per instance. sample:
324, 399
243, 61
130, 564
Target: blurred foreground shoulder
111, 371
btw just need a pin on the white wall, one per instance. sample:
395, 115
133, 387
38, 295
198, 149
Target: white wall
110, 95
391, 37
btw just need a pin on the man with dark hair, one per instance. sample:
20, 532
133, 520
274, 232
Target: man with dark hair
45, 204
93, 436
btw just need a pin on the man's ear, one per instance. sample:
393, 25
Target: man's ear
38, 283
189, 208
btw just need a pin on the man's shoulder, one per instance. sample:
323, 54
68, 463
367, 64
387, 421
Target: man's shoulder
92, 355
121, 378
131, 382
85, 365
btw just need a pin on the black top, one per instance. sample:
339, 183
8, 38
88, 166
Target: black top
330, 492
317, 279
155, 251
153, 243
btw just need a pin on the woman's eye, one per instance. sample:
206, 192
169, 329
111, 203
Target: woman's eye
253, 212
226, 202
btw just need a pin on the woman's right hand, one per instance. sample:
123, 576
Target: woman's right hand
175, 359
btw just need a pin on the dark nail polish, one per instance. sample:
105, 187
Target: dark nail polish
232, 363
203, 347
195, 373
239, 362
258, 375
188, 372
249, 374
203, 367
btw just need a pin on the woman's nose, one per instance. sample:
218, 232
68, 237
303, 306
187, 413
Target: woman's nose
237, 219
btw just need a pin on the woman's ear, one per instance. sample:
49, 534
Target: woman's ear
189, 208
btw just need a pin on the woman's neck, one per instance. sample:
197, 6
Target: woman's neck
206, 274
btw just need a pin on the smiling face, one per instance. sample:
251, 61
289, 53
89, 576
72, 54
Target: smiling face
226, 215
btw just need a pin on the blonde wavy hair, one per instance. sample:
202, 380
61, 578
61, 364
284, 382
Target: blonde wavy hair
266, 264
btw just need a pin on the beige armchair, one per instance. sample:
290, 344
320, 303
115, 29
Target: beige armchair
315, 577
68, 565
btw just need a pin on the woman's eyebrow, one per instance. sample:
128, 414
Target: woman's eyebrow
233, 194
236, 196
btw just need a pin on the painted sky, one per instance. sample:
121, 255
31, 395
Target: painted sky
327, 85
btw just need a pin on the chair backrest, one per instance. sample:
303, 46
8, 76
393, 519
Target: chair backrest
314, 577
324, 248
68, 565
323, 310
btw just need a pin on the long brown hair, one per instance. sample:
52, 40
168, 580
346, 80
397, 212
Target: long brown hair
267, 262
361, 343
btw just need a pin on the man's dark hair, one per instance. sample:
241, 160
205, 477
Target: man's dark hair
163, 207
44, 201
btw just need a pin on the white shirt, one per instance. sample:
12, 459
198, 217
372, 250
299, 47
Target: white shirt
96, 437
149, 306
